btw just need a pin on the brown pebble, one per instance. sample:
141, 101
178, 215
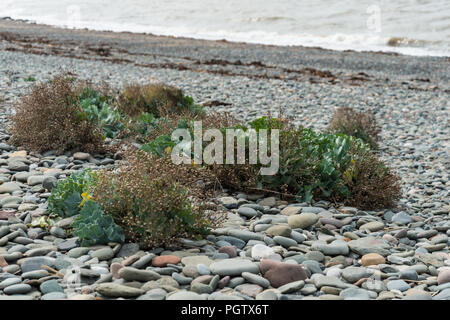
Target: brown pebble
162, 261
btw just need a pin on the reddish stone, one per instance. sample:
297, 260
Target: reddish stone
3, 262
250, 290
162, 261
267, 264
443, 277
231, 251
223, 282
280, 273
114, 269
4, 215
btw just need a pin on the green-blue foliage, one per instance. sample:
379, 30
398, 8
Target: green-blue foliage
66, 196
97, 108
93, 226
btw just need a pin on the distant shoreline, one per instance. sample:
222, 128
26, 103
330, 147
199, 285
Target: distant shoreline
393, 41
225, 58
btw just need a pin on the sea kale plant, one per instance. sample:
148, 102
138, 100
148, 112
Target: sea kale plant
336, 167
98, 108
67, 195
93, 227
71, 197
313, 166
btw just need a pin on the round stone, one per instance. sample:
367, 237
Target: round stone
133, 274
50, 286
35, 180
154, 294
401, 218
102, 254
269, 294
17, 289
279, 273
190, 271
128, 249
303, 220
54, 296
268, 202
9, 282
182, 280
185, 295
398, 285
409, 274
284, 241
231, 251
353, 274
83, 156
35, 263
249, 290
289, 211
279, 230
49, 182
292, 287
9, 187
247, 212
162, 261
68, 244
223, 282
201, 288
334, 272
337, 247
260, 251
366, 245
256, 279
354, 294
372, 226
315, 255
233, 267
114, 269
444, 277
372, 259
58, 232
116, 290
195, 260
203, 269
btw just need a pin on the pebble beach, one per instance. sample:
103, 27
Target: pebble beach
267, 249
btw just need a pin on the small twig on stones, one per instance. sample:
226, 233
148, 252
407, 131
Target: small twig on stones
272, 191
360, 281
434, 293
56, 272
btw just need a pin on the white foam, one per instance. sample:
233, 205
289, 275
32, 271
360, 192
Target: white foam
253, 25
